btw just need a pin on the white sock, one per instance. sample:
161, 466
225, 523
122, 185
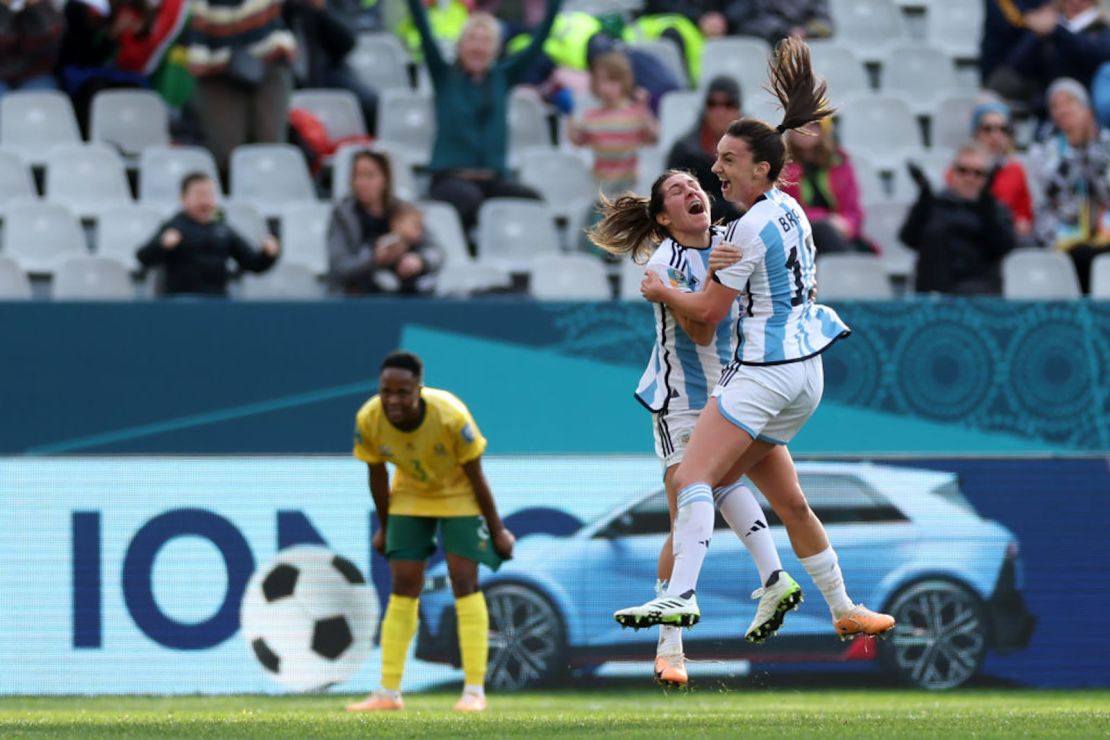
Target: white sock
745, 516
670, 640
824, 569
391, 693
474, 688
693, 528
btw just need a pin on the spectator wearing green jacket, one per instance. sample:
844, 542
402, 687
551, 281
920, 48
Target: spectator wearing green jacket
472, 110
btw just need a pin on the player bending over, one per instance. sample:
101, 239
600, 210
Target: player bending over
431, 439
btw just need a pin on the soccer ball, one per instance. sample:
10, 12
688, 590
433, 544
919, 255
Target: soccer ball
309, 617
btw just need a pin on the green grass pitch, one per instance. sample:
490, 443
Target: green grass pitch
632, 712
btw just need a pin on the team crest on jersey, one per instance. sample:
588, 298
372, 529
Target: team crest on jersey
680, 279
467, 434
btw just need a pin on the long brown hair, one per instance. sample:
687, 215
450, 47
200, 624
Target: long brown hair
628, 225
383, 163
803, 98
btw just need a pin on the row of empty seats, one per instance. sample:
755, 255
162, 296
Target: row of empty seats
1028, 274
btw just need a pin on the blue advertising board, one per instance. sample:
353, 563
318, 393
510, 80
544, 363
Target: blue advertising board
124, 574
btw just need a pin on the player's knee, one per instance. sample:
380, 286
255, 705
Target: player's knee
463, 585
794, 510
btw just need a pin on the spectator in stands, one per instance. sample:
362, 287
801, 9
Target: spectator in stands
325, 32
822, 180
697, 150
960, 234
1071, 171
618, 128
377, 243
239, 52
1068, 38
195, 245
774, 20
86, 61
30, 39
707, 14
991, 128
471, 104
1003, 28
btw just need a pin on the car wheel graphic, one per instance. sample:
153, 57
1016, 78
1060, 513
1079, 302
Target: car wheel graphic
527, 641
941, 636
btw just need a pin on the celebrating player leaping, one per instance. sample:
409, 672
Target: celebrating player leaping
775, 381
685, 364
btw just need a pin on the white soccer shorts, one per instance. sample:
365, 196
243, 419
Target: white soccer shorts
672, 430
771, 402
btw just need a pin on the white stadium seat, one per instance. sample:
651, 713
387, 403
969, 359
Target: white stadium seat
270, 176
304, 235
1035, 274
40, 236
512, 232
852, 277
121, 230
285, 281
162, 168
86, 178
14, 283
129, 120
569, 277
338, 110
92, 278
32, 122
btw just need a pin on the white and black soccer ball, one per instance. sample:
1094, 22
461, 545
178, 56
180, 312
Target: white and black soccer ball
309, 617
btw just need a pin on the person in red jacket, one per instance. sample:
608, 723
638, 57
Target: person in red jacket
820, 177
991, 129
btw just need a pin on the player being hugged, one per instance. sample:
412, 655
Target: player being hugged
775, 380
431, 439
685, 363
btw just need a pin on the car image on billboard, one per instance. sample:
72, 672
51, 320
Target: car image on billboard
908, 541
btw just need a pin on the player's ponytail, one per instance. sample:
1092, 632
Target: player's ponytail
802, 96
628, 226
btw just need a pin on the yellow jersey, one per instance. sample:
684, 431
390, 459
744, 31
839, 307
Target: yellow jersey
429, 479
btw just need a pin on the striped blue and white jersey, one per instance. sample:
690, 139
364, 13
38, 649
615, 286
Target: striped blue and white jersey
776, 276
681, 374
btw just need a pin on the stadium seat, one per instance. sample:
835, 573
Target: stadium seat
852, 277
33, 122
304, 235
246, 220
1100, 278
868, 179
380, 61
400, 167
883, 127
935, 163
270, 176
528, 127
441, 220
121, 230
1035, 274
162, 168
867, 26
951, 121
407, 118
14, 283
284, 281
679, 112
91, 278
955, 27
565, 183
668, 53
569, 277
650, 163
631, 275
882, 221
129, 120
462, 278
512, 232
338, 110
39, 236
841, 68
86, 178
15, 178
918, 74
741, 57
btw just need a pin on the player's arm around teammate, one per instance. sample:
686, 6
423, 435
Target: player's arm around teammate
775, 383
